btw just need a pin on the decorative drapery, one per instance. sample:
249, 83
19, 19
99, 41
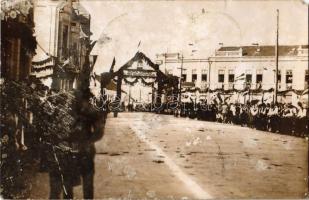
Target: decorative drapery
42, 62
150, 83
244, 91
45, 77
40, 69
132, 81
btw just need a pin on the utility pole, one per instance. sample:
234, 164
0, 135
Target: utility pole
129, 96
209, 73
180, 83
277, 57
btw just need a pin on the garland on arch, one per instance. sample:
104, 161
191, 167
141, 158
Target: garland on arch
136, 80
147, 83
130, 82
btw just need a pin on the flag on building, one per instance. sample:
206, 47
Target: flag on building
240, 77
305, 92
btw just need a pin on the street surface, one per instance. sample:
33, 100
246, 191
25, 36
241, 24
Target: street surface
144, 155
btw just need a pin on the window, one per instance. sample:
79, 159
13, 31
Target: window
259, 76
231, 76
65, 41
184, 78
289, 76
204, 77
75, 53
194, 77
248, 76
221, 76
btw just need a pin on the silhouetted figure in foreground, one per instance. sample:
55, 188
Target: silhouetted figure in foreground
89, 129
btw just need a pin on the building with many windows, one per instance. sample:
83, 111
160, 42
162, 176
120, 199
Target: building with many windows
243, 67
255, 67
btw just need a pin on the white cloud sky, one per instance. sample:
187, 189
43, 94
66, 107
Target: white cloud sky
171, 25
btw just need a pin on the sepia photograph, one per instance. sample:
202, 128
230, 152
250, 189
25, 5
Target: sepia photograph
162, 99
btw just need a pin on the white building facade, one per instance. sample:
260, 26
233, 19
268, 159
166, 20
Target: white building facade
238, 68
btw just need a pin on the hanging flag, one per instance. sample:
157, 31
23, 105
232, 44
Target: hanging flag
139, 44
82, 33
227, 98
240, 77
112, 66
219, 97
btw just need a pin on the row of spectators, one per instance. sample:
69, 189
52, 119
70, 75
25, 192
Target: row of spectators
277, 118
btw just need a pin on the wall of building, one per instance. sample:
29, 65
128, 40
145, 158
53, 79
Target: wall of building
240, 65
234, 62
59, 34
265, 66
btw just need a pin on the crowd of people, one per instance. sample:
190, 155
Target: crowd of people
277, 118
274, 117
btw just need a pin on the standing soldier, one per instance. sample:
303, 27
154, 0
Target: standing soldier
89, 128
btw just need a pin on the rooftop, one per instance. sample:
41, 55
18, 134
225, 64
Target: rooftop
285, 50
